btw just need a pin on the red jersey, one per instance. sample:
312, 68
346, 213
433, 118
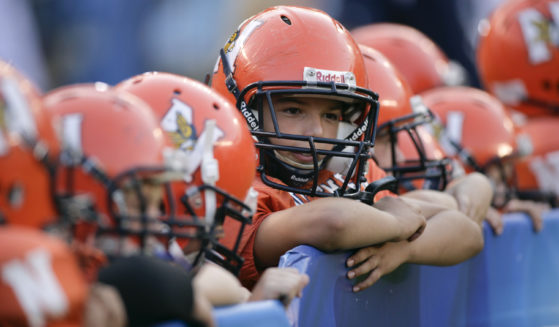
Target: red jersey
41, 283
271, 200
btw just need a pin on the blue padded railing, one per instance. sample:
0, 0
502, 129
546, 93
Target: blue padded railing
270, 313
262, 313
514, 281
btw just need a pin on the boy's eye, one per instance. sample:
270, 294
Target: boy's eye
292, 110
334, 116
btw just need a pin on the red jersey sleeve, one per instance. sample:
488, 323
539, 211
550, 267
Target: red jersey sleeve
270, 200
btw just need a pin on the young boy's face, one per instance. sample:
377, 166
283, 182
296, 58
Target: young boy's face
306, 116
153, 196
152, 193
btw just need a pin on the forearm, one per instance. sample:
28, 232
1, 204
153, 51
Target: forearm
431, 202
219, 286
348, 225
473, 194
475, 185
449, 238
333, 224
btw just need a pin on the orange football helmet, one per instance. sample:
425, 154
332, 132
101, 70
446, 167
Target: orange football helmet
300, 51
41, 284
112, 144
28, 146
421, 159
518, 55
477, 124
537, 175
213, 135
479, 131
415, 55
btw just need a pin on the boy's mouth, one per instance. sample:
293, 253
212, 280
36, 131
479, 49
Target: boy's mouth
299, 160
303, 158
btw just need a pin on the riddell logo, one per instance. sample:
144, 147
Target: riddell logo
314, 75
249, 116
320, 77
299, 179
359, 131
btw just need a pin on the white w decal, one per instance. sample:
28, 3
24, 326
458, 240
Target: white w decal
36, 287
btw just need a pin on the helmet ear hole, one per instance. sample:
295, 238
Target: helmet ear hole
16, 195
286, 19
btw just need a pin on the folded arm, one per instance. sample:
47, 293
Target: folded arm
334, 224
473, 193
449, 238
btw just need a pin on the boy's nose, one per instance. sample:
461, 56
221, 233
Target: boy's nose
313, 126
152, 211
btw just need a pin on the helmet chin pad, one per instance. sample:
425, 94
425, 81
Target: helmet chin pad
341, 164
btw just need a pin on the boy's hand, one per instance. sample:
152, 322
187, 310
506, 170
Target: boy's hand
218, 286
282, 284
376, 261
409, 215
495, 220
534, 209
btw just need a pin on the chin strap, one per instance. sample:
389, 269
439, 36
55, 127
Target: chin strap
210, 172
250, 117
228, 72
202, 156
